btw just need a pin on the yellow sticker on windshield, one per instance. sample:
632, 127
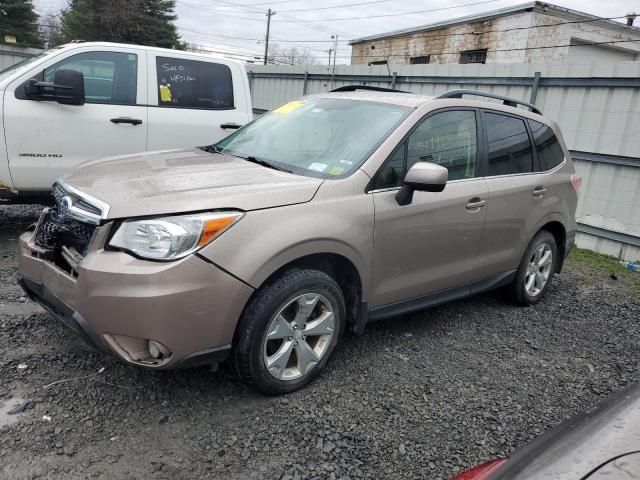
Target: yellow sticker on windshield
289, 107
336, 171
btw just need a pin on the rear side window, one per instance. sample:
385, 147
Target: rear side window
193, 84
109, 77
447, 138
550, 153
509, 148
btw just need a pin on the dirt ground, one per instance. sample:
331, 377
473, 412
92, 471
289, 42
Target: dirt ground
420, 396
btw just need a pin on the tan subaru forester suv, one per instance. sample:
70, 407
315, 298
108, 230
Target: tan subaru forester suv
322, 215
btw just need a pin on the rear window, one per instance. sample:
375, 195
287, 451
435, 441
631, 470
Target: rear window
193, 84
550, 153
509, 146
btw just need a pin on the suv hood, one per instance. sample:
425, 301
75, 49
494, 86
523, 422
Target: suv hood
177, 181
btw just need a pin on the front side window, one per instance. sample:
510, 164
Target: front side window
109, 77
193, 84
550, 153
447, 138
321, 137
509, 148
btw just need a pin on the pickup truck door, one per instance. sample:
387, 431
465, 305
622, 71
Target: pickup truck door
194, 100
46, 139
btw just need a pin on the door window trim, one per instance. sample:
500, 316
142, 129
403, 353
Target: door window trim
480, 152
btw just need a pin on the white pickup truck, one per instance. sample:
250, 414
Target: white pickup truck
83, 101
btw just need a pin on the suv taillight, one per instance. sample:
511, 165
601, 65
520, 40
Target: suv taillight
481, 472
576, 181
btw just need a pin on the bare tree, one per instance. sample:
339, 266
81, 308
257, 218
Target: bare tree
51, 30
291, 55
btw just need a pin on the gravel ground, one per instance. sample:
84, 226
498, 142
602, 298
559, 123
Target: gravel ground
422, 396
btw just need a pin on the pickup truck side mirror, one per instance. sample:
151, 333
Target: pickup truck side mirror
422, 176
67, 88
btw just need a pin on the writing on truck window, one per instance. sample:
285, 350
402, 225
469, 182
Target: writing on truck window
194, 84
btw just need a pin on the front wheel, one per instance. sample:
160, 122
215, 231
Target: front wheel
289, 331
536, 269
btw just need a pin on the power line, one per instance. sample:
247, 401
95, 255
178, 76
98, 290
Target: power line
427, 35
335, 6
394, 14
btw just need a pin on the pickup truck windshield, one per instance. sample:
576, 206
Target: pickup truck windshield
321, 137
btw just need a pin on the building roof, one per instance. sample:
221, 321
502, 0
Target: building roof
501, 12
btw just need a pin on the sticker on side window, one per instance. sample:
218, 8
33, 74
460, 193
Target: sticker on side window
317, 167
289, 107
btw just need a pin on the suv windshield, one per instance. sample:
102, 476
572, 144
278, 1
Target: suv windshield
324, 137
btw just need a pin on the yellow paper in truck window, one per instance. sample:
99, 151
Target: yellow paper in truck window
336, 171
165, 93
289, 107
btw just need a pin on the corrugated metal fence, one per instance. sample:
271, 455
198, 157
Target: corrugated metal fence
596, 105
11, 55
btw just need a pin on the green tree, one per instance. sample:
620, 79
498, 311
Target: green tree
18, 19
143, 22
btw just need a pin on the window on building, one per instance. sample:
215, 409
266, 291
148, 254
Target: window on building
193, 84
420, 60
550, 153
474, 56
509, 146
378, 62
448, 139
109, 77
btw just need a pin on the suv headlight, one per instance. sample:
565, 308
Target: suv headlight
171, 238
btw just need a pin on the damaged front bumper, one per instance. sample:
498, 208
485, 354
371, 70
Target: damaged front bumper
118, 304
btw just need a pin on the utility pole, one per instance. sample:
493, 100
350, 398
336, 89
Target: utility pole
266, 41
335, 53
330, 50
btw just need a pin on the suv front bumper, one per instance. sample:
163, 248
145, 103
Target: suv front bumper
116, 303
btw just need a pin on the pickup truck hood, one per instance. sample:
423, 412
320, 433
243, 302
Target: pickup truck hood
177, 181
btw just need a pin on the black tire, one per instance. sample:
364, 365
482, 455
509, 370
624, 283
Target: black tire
251, 331
517, 291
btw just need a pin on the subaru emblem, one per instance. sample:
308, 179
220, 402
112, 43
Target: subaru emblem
64, 205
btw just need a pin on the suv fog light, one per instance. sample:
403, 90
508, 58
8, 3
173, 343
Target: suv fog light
157, 350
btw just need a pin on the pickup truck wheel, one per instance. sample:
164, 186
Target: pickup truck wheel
536, 270
289, 331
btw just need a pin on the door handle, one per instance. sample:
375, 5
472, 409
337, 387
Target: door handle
476, 203
232, 126
538, 191
132, 121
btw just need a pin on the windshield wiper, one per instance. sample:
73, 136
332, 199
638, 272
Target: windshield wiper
262, 162
211, 149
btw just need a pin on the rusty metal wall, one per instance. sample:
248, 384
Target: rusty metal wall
596, 104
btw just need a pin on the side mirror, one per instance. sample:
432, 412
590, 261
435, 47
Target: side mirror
422, 176
67, 88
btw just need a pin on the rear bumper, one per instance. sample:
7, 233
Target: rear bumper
116, 303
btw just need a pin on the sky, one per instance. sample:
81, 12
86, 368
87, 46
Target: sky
240, 25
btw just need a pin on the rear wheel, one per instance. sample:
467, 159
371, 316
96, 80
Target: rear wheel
289, 331
536, 269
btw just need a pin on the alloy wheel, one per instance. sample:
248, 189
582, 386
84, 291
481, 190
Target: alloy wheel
538, 270
298, 336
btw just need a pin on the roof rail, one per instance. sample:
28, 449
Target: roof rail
353, 88
511, 102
